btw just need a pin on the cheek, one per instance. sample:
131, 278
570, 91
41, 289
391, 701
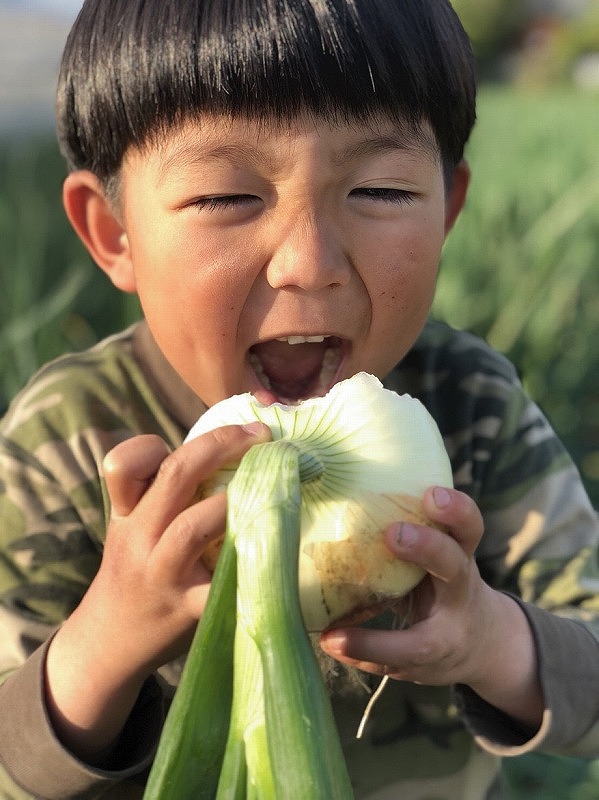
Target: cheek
190, 274
406, 280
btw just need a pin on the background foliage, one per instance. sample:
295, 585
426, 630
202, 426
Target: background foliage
520, 267
51, 297
535, 42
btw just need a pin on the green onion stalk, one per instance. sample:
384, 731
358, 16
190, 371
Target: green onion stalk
303, 550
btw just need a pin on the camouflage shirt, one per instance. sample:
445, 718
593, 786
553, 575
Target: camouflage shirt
420, 743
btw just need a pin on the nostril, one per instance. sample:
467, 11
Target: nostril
310, 277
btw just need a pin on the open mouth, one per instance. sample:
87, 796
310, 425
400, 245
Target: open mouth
294, 368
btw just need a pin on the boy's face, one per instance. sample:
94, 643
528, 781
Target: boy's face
283, 259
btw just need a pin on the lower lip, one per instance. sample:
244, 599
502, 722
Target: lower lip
262, 395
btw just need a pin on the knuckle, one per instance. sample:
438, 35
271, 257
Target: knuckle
231, 436
217, 440
182, 531
171, 468
227, 445
425, 653
461, 571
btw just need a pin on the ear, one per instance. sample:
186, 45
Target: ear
98, 227
456, 196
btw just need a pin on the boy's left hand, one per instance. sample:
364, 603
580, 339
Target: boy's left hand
460, 630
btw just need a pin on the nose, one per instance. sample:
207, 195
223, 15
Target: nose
308, 256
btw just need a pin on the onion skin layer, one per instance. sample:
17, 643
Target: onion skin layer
348, 580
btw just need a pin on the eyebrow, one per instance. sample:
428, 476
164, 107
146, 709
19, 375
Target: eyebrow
238, 154
192, 154
416, 140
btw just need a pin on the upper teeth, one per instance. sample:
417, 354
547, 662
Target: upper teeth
300, 339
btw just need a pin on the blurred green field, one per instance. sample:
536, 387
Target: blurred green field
520, 268
52, 298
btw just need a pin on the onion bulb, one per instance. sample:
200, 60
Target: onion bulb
366, 456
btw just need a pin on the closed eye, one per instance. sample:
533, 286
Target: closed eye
224, 202
385, 194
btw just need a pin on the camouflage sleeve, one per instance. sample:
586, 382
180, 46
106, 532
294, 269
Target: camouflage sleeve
541, 545
541, 532
568, 655
48, 555
551, 567
52, 527
54, 772
53, 506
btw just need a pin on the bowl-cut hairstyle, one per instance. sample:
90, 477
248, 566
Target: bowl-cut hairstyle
133, 69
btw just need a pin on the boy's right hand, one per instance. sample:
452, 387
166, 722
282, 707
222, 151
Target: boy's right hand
142, 608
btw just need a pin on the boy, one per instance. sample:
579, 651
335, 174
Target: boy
275, 180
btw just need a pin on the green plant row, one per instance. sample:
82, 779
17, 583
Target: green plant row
521, 266
51, 298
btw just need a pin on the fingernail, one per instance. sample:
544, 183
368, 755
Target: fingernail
253, 428
441, 496
406, 534
333, 642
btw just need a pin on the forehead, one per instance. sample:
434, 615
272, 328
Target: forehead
267, 142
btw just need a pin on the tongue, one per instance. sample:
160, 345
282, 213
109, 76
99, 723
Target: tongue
291, 369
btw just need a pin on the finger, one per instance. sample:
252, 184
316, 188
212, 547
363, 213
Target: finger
434, 551
406, 655
457, 512
129, 468
185, 540
176, 483
348, 646
226, 445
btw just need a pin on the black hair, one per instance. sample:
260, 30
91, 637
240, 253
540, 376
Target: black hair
133, 68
